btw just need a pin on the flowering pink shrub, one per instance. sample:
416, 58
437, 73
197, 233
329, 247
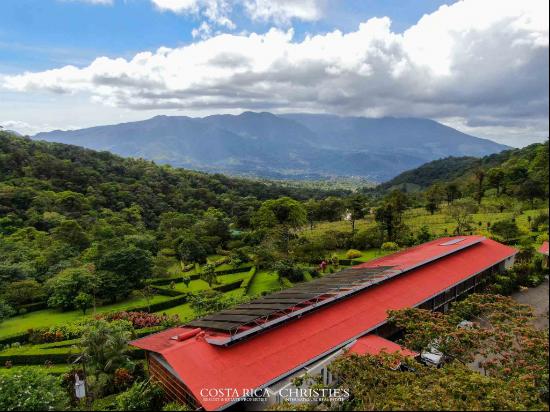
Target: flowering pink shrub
141, 320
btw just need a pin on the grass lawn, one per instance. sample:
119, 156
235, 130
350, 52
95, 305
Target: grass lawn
264, 281
185, 312
439, 224
199, 284
366, 255
52, 370
50, 317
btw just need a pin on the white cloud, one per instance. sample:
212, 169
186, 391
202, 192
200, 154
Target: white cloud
219, 11
24, 128
204, 31
283, 11
483, 62
216, 11
101, 2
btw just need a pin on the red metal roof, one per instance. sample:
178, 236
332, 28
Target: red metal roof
374, 344
413, 257
544, 248
265, 358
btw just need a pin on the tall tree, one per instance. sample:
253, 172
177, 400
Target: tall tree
434, 196
189, 249
461, 211
390, 214
452, 192
495, 178
356, 208
480, 178
208, 274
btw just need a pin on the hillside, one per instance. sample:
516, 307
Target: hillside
459, 168
284, 146
28, 168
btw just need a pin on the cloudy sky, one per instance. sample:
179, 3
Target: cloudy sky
478, 65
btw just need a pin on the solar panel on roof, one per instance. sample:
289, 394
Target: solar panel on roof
265, 312
254, 305
231, 317
452, 242
255, 311
215, 325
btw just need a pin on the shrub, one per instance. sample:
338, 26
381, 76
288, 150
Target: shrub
287, 269
140, 320
123, 379
353, 254
423, 235
6, 310
368, 238
540, 222
107, 403
387, 246
58, 333
142, 396
506, 230
309, 251
30, 390
335, 240
24, 292
175, 406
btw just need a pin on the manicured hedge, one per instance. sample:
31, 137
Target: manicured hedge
167, 281
157, 307
248, 281
232, 271
32, 307
40, 357
195, 276
17, 337
165, 291
226, 287
36, 358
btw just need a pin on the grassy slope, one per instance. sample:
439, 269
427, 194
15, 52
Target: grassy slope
437, 223
50, 317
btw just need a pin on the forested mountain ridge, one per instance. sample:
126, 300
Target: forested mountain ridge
451, 169
28, 167
297, 146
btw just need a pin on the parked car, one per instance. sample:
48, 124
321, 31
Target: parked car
432, 356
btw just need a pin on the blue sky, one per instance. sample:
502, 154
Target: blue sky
476, 65
42, 34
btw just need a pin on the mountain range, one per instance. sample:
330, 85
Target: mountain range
297, 146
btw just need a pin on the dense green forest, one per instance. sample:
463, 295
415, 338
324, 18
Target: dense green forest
458, 168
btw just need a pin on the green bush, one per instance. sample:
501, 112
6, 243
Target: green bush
387, 246
288, 269
31, 390
175, 406
353, 254
108, 403
142, 396
506, 230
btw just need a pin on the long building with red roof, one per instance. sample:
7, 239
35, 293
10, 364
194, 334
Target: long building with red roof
251, 353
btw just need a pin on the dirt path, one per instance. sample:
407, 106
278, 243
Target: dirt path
537, 297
